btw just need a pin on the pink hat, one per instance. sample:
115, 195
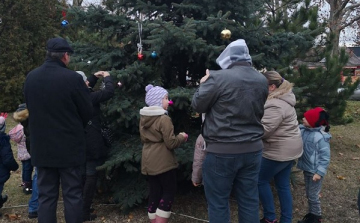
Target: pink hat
2, 124
154, 95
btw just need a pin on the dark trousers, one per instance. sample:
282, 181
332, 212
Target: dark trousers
27, 170
48, 182
162, 191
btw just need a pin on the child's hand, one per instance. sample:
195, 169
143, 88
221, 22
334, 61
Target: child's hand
316, 177
196, 184
185, 135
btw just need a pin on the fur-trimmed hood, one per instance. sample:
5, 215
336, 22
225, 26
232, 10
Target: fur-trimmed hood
152, 111
150, 114
284, 92
21, 116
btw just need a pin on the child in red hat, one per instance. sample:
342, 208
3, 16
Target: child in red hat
315, 158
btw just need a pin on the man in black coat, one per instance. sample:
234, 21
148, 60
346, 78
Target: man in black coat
59, 105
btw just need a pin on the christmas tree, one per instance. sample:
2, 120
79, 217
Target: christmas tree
171, 44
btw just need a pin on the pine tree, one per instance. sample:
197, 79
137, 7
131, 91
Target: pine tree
179, 40
24, 28
320, 87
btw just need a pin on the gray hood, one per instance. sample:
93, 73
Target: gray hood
236, 51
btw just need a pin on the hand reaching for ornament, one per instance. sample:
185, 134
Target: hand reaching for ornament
102, 74
204, 78
185, 135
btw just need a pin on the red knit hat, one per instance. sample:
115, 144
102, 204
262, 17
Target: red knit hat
313, 115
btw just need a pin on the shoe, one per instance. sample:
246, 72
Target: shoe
33, 215
3, 199
27, 190
27, 187
90, 217
311, 218
264, 220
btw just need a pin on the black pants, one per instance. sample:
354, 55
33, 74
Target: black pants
48, 182
162, 191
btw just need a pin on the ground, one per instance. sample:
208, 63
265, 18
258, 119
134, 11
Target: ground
338, 196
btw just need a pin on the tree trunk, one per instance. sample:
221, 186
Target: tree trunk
335, 27
77, 2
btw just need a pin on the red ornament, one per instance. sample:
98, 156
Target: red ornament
140, 56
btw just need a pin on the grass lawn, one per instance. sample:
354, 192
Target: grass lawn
338, 196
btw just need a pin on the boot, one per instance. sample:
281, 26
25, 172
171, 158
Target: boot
3, 199
88, 195
317, 218
308, 218
27, 188
162, 216
152, 217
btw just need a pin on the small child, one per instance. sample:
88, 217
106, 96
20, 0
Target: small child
17, 135
158, 161
7, 161
199, 156
315, 159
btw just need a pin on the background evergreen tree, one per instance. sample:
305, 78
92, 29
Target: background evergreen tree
320, 87
185, 35
24, 28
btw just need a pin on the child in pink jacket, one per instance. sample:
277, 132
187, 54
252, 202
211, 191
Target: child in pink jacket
199, 156
17, 135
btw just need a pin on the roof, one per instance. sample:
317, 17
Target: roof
354, 60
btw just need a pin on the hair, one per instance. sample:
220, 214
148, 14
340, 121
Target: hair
55, 55
323, 121
274, 77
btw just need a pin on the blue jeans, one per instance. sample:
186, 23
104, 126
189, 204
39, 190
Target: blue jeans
280, 172
224, 172
34, 202
27, 170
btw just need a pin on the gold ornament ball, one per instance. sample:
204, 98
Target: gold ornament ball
225, 34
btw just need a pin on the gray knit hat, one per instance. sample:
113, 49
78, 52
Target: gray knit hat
154, 95
2, 124
82, 74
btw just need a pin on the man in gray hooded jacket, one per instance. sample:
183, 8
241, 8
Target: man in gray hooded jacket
233, 99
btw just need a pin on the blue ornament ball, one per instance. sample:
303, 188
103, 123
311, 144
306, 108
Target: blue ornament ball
153, 54
64, 23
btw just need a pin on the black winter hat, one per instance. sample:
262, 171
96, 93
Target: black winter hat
58, 45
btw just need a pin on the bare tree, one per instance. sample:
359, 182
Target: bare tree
77, 2
342, 14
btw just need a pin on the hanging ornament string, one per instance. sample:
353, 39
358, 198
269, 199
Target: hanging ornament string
139, 45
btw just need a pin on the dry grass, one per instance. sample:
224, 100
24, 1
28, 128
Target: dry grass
338, 196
